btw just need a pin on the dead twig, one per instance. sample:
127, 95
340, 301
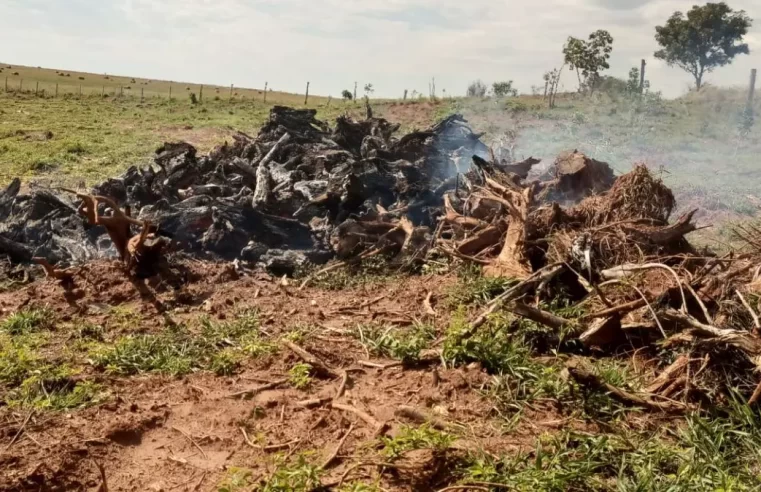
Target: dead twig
335, 452
319, 366
190, 438
18, 432
753, 314
420, 417
583, 375
378, 427
541, 276
342, 386
254, 391
103, 487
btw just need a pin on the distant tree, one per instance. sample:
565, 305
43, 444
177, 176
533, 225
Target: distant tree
589, 58
477, 89
369, 90
346, 95
503, 89
706, 38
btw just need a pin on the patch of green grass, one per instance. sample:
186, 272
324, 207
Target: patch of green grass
28, 321
475, 289
19, 358
300, 476
719, 452
372, 271
401, 344
299, 376
235, 480
28, 379
169, 353
225, 362
219, 347
54, 387
123, 317
502, 350
360, 487
410, 438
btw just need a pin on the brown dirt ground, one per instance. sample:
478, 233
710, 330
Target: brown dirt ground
162, 433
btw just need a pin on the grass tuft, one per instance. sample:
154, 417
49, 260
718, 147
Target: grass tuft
28, 321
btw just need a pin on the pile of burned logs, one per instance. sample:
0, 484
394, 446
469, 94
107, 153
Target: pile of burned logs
301, 193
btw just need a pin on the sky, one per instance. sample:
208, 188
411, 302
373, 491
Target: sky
393, 44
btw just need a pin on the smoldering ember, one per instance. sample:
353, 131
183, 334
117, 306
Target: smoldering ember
302, 199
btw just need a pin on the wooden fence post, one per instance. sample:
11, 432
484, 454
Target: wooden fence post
142, 95
200, 94
330, 98
265, 91
306, 98
37, 89
642, 77
6, 84
56, 89
355, 91
80, 91
405, 95
231, 92
103, 92
752, 88
170, 91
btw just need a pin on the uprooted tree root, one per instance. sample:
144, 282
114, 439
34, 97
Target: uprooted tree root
634, 277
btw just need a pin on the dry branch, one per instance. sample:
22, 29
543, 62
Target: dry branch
319, 366
582, 374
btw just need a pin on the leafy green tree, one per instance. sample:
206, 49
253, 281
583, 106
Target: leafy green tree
589, 58
503, 89
346, 95
706, 38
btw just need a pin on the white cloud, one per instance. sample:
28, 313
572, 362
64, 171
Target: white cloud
396, 44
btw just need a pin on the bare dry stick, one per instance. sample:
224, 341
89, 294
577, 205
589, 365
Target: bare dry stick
539, 316
743, 340
652, 311
335, 452
18, 433
623, 270
377, 426
756, 394
578, 369
310, 359
342, 386
750, 310
700, 302
427, 305
254, 391
543, 275
103, 483
420, 417
190, 438
376, 365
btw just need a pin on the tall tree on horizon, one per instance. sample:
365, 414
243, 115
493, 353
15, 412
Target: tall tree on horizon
706, 38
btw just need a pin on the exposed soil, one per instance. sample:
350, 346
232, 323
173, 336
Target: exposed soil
162, 433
